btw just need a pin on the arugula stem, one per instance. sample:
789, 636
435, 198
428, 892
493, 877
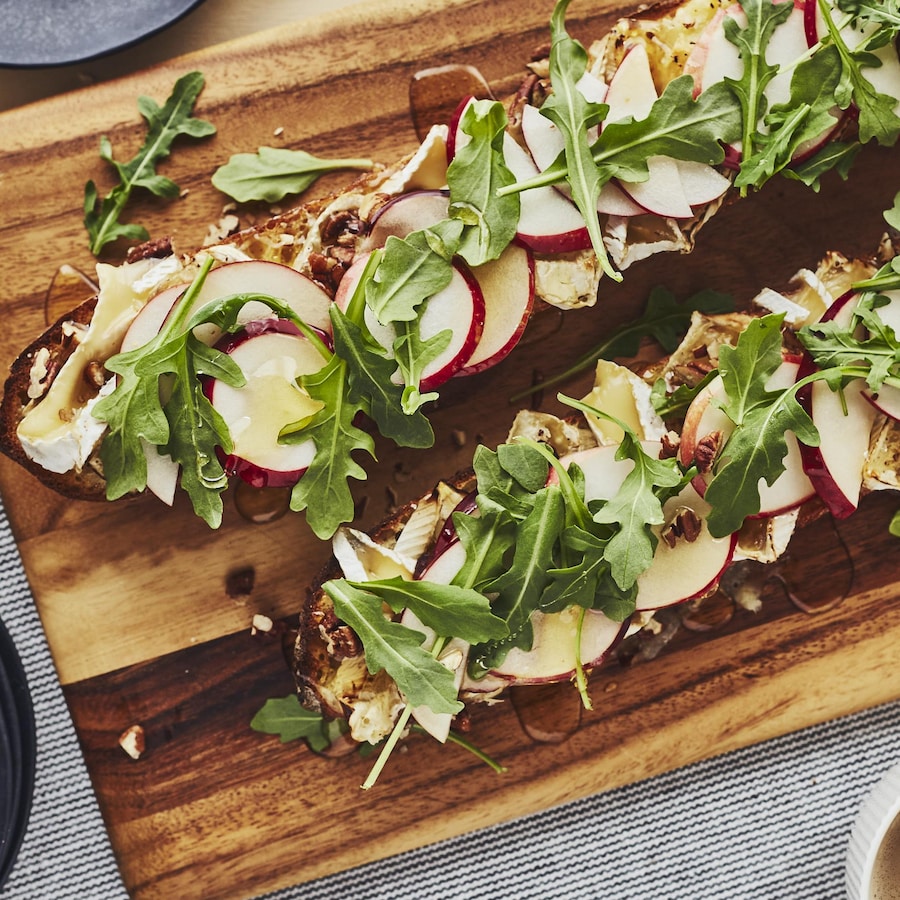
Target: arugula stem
387, 748
812, 51
580, 676
399, 727
183, 306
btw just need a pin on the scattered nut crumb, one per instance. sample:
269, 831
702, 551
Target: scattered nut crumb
261, 623
610, 687
184, 192
279, 131
132, 741
458, 436
228, 224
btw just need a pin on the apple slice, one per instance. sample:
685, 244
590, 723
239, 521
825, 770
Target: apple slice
405, 214
548, 222
835, 467
633, 93
146, 324
552, 654
459, 308
844, 421
684, 571
507, 288
307, 299
545, 143
792, 488
272, 354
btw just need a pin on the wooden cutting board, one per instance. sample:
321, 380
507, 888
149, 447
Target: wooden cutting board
135, 597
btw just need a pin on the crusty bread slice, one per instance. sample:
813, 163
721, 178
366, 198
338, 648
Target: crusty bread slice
327, 658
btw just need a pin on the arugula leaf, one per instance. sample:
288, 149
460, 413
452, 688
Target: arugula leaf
323, 491
396, 649
636, 507
285, 717
757, 447
763, 17
806, 116
567, 108
101, 217
877, 118
369, 384
677, 126
835, 155
412, 354
670, 404
411, 270
448, 610
272, 173
477, 172
892, 215
664, 319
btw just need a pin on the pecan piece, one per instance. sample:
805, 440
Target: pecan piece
685, 524
706, 451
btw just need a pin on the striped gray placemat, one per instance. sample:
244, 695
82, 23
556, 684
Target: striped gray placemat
764, 823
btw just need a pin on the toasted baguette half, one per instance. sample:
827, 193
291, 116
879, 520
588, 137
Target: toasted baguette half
328, 659
321, 239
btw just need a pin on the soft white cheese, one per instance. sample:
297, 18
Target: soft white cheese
59, 432
426, 169
70, 447
568, 282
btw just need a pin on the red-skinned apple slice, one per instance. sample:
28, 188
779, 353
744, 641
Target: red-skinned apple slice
844, 422
552, 656
887, 400
272, 354
545, 143
689, 569
405, 214
507, 287
459, 308
703, 417
632, 93
686, 571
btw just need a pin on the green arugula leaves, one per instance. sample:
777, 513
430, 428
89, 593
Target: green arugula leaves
272, 173
164, 124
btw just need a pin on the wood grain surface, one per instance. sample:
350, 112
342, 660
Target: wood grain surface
134, 597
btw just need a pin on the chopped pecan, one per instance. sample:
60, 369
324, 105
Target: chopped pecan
706, 451
671, 440
685, 525
342, 227
343, 642
158, 248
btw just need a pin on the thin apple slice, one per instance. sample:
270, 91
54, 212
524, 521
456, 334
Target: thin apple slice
256, 276
272, 354
507, 287
633, 93
552, 654
704, 417
835, 467
701, 183
684, 571
687, 569
844, 421
548, 222
459, 308
146, 324
545, 143
405, 214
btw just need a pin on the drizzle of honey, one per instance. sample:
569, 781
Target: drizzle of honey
548, 713
435, 94
260, 505
68, 288
817, 572
714, 611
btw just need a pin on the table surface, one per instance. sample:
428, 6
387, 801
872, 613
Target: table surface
770, 820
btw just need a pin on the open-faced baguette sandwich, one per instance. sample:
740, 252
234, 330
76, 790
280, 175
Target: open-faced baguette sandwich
602, 158
539, 564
